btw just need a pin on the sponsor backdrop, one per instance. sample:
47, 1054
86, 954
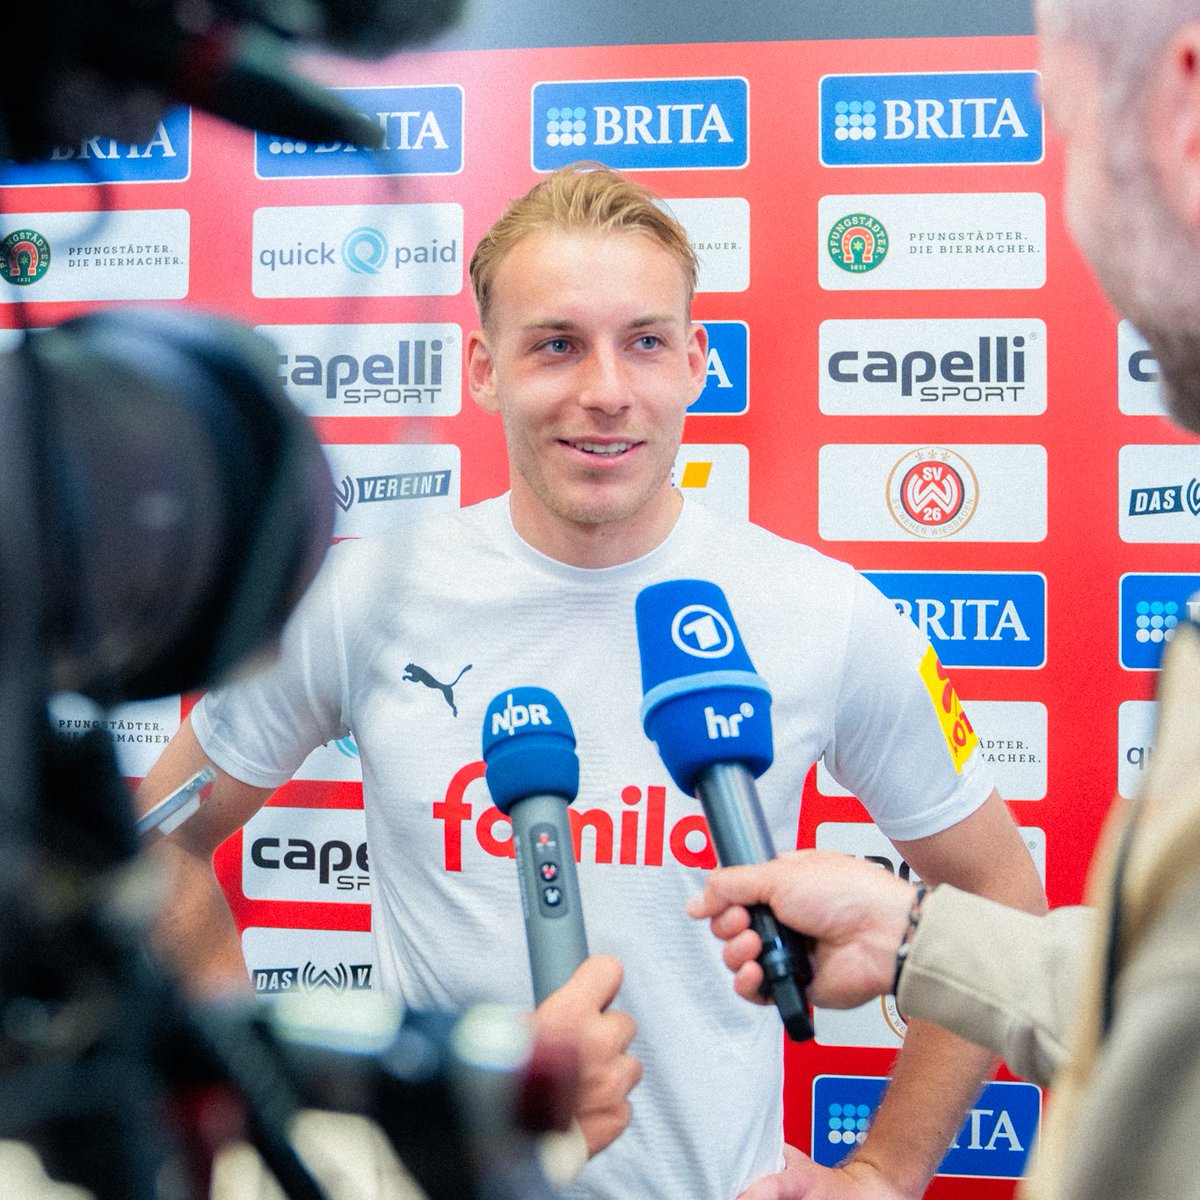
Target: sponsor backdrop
910, 369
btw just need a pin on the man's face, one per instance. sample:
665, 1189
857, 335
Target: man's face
591, 360
1120, 215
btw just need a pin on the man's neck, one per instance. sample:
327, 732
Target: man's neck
596, 545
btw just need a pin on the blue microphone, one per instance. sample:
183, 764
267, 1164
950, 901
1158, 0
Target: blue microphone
709, 713
533, 775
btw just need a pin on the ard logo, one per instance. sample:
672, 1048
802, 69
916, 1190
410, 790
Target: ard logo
24, 257
858, 243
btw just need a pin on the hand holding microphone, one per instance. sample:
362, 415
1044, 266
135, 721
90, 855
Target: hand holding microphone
709, 714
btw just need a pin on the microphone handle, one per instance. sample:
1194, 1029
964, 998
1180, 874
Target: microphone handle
741, 837
554, 929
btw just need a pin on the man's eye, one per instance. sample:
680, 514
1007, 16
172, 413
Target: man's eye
557, 345
649, 341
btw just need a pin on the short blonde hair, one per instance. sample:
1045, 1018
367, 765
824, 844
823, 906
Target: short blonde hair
584, 195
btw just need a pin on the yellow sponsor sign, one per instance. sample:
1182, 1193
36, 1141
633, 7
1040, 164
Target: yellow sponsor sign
960, 737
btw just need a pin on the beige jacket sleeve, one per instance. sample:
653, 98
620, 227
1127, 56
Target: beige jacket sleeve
1002, 978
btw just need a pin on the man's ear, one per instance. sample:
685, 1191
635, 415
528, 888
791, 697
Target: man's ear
481, 373
697, 349
1173, 121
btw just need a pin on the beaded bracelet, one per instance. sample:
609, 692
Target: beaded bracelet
914, 915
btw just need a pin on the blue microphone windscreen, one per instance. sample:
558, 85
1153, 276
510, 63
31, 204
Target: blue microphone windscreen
529, 747
702, 703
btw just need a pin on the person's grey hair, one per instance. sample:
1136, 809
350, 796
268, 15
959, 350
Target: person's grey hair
1125, 35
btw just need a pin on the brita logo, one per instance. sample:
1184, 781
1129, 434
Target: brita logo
647, 124
930, 119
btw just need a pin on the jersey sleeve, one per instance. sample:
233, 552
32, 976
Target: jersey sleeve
261, 726
903, 742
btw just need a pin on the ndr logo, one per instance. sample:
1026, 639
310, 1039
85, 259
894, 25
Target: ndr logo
984, 619
1152, 608
422, 131
930, 119
994, 1142
652, 124
727, 375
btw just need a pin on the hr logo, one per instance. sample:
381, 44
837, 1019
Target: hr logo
516, 716
719, 726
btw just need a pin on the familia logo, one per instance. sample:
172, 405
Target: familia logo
931, 119
973, 619
1152, 607
994, 1142
932, 492
24, 257
651, 124
857, 243
422, 130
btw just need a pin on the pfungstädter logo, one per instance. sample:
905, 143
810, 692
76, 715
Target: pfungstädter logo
858, 242
24, 257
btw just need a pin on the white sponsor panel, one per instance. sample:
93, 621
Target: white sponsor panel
289, 962
982, 367
314, 855
1138, 390
378, 487
897, 493
334, 762
371, 370
937, 241
358, 250
718, 229
139, 731
1137, 723
1013, 741
1159, 493
879, 1023
716, 474
123, 254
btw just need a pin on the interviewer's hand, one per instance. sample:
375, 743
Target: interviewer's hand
578, 1015
855, 912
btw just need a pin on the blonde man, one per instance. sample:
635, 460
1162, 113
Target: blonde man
588, 353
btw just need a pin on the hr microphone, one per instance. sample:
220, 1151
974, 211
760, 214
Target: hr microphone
533, 775
709, 713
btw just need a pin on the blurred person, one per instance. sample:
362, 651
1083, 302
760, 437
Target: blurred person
1097, 1001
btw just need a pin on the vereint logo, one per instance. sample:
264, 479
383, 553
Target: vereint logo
960, 737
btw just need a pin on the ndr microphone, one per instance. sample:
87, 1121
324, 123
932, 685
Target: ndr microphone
533, 775
709, 713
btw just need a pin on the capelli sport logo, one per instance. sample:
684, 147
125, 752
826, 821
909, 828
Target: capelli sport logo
24, 257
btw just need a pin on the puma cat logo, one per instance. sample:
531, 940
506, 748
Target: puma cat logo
415, 674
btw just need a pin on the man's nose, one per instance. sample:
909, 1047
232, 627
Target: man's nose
605, 382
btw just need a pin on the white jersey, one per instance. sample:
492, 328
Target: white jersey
404, 640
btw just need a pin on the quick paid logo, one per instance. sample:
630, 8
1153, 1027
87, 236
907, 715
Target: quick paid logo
951, 118
993, 619
358, 250
727, 373
1152, 608
641, 124
422, 130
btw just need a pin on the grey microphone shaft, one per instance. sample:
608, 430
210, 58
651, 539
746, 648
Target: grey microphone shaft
554, 927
